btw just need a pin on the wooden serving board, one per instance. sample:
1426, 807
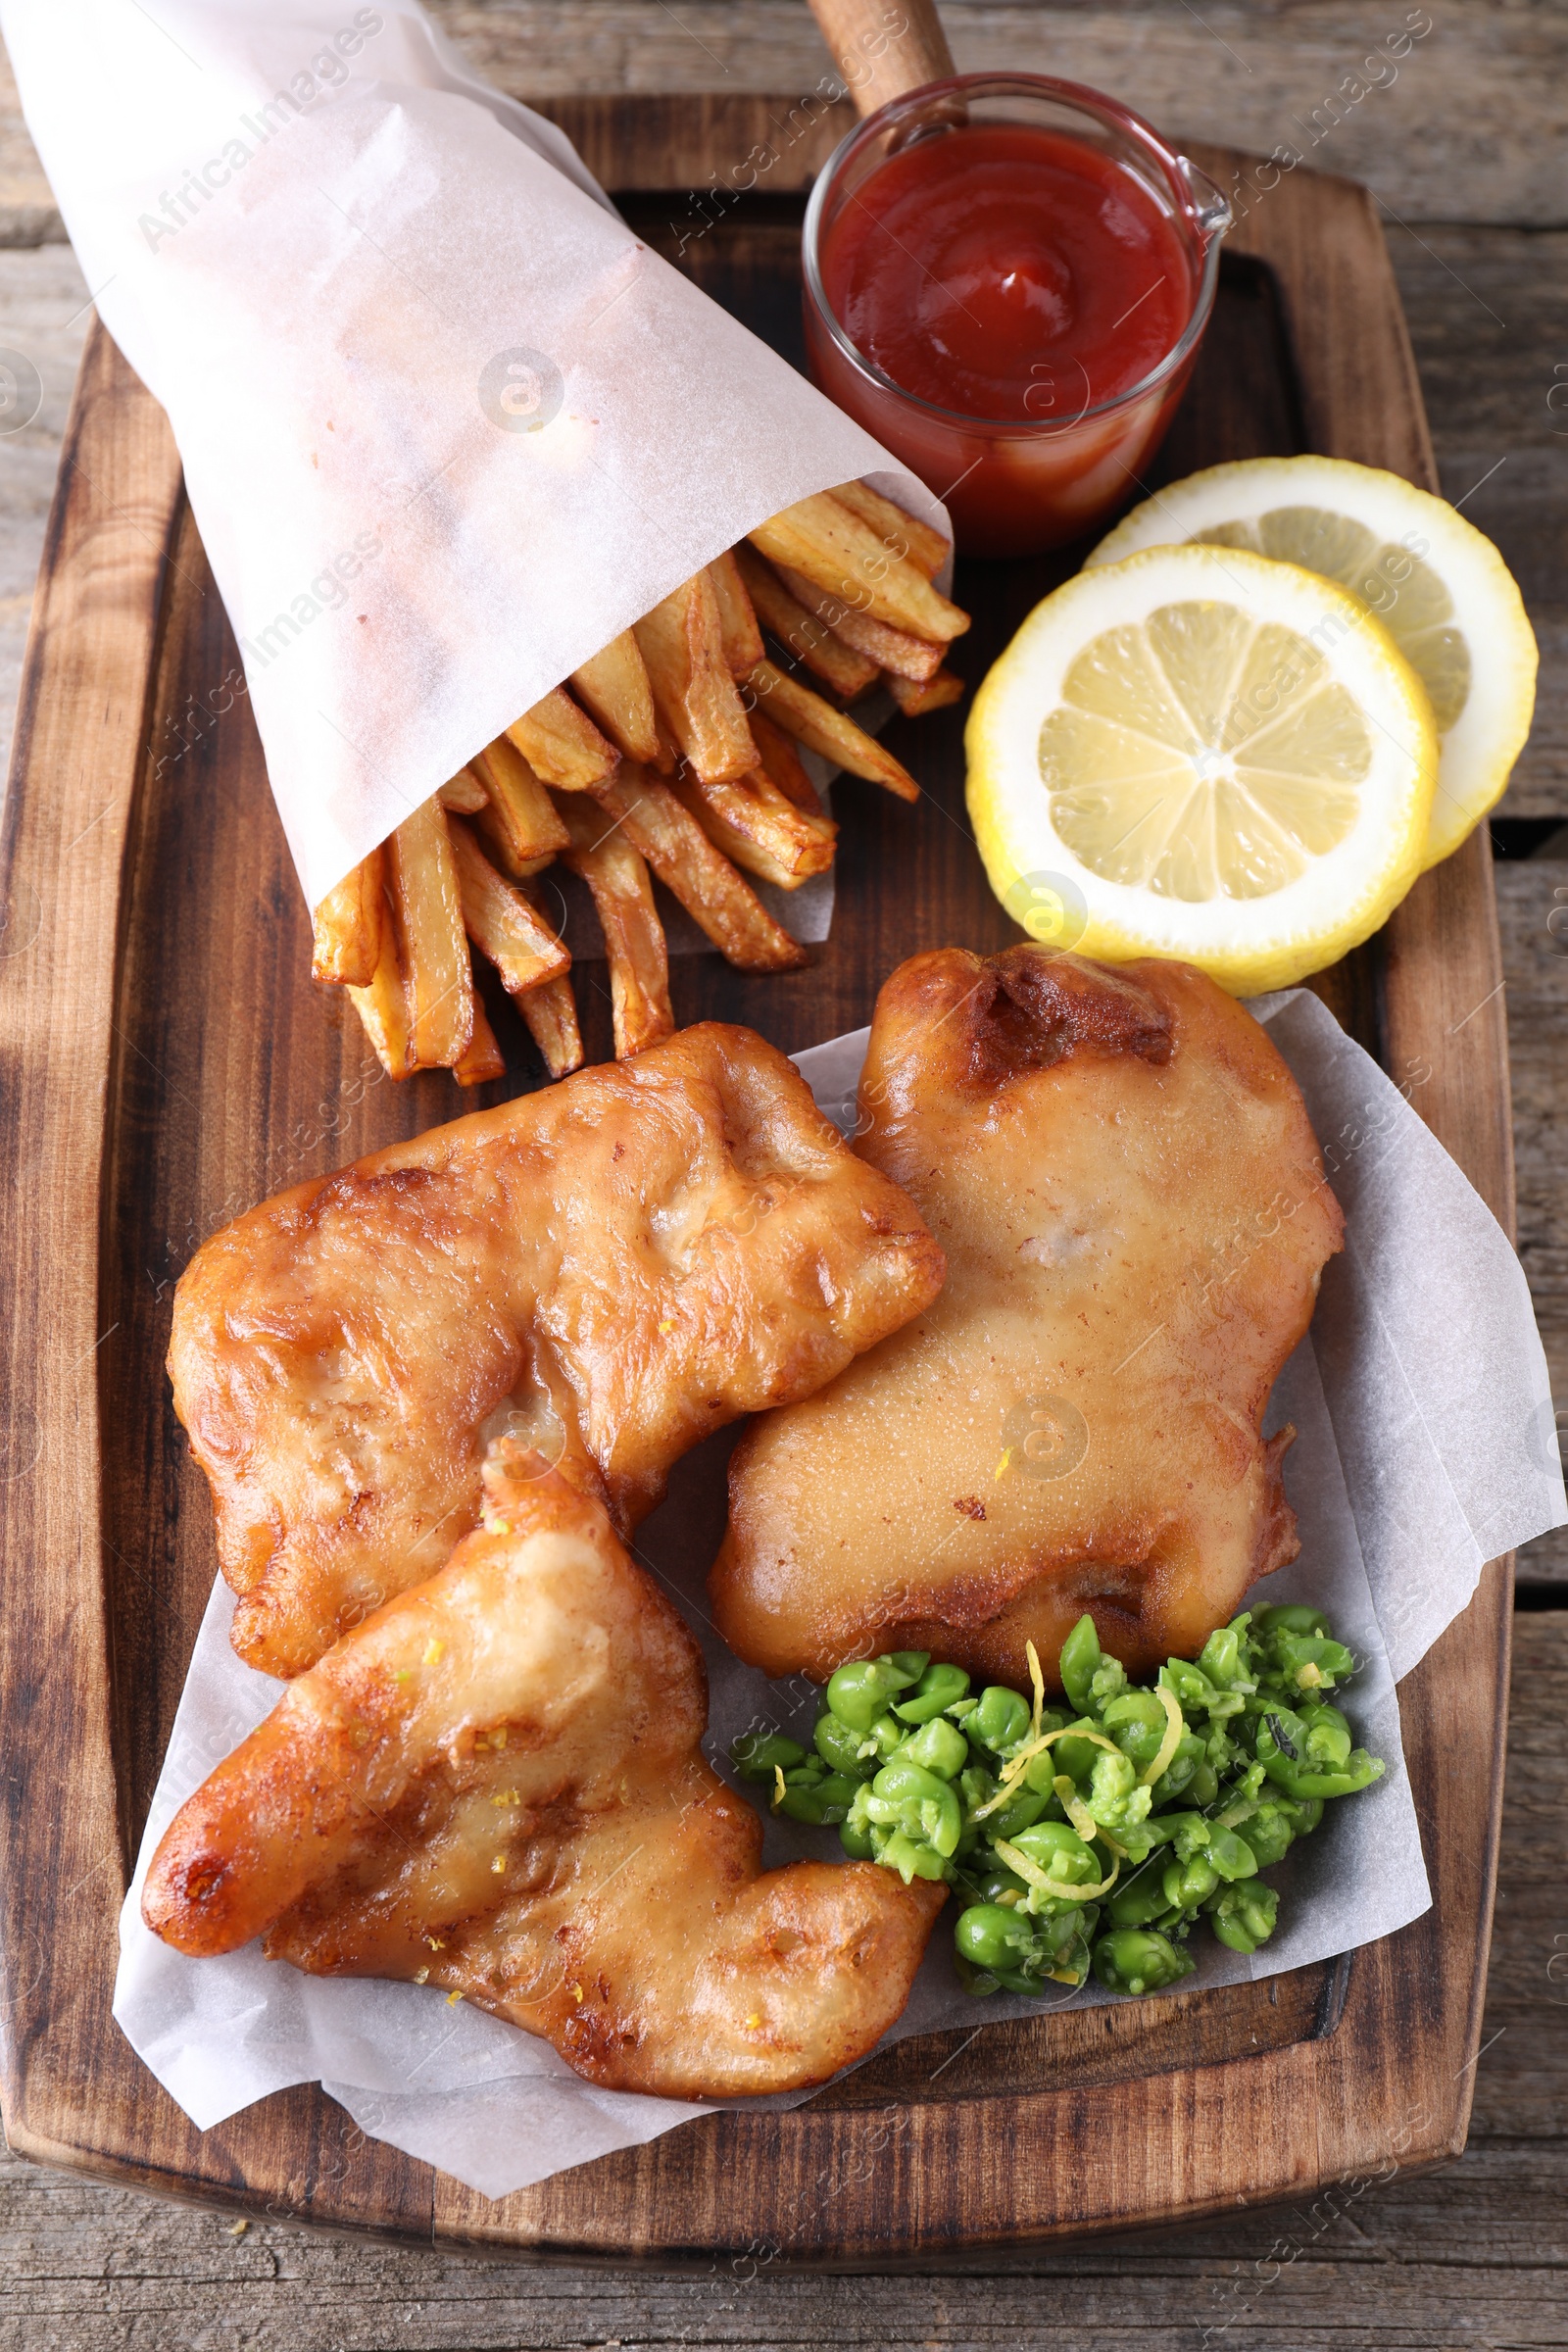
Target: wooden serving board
164, 1062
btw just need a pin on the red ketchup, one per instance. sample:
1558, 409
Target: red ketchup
1006, 274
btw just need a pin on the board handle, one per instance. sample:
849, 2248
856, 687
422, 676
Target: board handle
883, 48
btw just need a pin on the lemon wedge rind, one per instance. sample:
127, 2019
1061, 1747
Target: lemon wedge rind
1231, 848
1437, 584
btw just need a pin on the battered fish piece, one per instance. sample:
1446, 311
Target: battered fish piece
495, 1787
1121, 1171
611, 1268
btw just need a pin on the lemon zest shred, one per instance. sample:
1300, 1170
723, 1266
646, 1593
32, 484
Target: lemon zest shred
1038, 1683
1013, 1770
1083, 1821
1033, 1876
1174, 1728
778, 1785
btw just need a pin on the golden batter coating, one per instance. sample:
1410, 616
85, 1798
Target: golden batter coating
1121, 1172
611, 1268
495, 1787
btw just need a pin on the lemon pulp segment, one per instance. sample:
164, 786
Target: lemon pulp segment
1438, 585
1201, 753
1407, 594
1206, 753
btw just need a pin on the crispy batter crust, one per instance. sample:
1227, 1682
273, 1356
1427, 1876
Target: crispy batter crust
1121, 1172
494, 1786
611, 1268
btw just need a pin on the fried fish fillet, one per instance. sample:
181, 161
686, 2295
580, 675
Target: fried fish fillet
612, 1267
495, 1787
1121, 1171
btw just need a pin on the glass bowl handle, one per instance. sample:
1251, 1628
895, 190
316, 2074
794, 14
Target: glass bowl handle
1212, 215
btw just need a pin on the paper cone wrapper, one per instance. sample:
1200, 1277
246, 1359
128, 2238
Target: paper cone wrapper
448, 427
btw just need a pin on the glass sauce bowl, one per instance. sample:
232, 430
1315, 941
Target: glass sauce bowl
1020, 486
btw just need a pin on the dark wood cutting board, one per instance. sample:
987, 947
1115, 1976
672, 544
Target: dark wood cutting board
164, 1062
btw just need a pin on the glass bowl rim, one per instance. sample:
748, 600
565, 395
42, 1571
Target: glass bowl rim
1180, 173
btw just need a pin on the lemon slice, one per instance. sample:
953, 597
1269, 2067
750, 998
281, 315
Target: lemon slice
1205, 754
1438, 587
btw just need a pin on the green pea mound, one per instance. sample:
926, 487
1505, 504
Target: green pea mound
1095, 1836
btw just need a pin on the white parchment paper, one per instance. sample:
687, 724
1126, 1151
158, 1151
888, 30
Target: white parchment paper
446, 424
1425, 1446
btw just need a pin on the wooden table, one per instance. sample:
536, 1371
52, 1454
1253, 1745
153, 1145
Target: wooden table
1472, 2256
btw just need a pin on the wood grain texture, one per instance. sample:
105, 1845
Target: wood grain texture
1488, 323
1473, 2254
1470, 2257
225, 1080
81, 731
1473, 127
1533, 913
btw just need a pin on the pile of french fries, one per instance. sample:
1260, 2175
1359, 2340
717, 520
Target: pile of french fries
673, 752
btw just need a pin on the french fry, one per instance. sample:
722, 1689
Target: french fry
346, 928
502, 923
898, 531
737, 622
519, 822
550, 1012
562, 744
815, 723
782, 762
488, 824
634, 937
483, 1058
668, 758
807, 638
757, 828
893, 650
463, 795
432, 945
683, 646
615, 686
833, 547
915, 697
708, 886
382, 1005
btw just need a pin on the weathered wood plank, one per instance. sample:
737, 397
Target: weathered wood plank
1533, 915
1473, 126
1471, 122
1522, 2080
1487, 313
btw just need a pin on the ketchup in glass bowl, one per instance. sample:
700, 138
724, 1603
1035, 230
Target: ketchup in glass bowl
1006, 281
